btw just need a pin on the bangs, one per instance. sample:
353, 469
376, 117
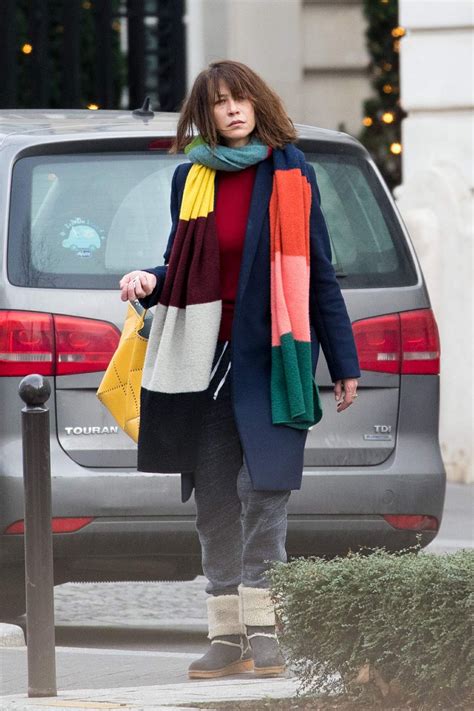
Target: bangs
239, 85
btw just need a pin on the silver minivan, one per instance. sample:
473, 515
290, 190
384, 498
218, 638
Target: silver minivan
84, 198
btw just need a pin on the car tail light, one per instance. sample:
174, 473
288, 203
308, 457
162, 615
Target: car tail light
58, 525
26, 343
47, 344
160, 144
83, 345
406, 342
420, 342
412, 522
378, 343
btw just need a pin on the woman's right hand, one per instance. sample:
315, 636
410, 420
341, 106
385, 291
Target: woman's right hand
136, 285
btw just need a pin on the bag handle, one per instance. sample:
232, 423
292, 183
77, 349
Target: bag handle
145, 318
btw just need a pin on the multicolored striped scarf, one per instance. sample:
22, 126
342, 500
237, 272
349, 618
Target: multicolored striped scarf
184, 332
294, 394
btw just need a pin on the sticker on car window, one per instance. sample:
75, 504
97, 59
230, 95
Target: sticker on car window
82, 237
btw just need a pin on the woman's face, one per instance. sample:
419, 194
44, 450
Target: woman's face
234, 118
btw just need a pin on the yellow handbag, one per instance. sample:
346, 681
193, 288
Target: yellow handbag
119, 389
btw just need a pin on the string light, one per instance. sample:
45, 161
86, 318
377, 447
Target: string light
27, 48
86, 5
388, 117
396, 148
93, 107
367, 121
387, 88
398, 31
396, 45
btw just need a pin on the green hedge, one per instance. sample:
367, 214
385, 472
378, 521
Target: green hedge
379, 626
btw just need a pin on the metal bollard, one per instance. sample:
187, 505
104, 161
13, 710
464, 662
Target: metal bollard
35, 391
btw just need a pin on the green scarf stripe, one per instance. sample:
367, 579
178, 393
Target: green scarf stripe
294, 392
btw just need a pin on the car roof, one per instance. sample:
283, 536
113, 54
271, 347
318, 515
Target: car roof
34, 124
74, 122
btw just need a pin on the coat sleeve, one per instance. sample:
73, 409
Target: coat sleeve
328, 312
160, 271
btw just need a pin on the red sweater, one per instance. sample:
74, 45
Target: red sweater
233, 193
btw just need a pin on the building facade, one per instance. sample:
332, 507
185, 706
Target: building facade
436, 197
312, 52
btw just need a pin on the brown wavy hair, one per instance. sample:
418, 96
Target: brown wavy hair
272, 125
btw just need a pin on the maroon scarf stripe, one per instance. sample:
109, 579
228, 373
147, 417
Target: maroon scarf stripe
193, 275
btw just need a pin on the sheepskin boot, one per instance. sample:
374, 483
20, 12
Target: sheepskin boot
229, 652
258, 615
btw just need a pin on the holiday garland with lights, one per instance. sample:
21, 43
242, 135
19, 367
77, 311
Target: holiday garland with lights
381, 134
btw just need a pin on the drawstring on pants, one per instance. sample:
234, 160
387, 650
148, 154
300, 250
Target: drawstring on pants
214, 370
222, 382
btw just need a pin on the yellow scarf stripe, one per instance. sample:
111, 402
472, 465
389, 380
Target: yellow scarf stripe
198, 196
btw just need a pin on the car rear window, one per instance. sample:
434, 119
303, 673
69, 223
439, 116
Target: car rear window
82, 221
79, 221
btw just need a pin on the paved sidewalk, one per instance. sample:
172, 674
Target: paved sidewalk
78, 668
132, 604
88, 678
153, 698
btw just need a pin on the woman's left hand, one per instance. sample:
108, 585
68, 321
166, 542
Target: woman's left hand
350, 388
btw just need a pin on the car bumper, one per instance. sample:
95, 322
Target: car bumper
141, 516
132, 548
349, 515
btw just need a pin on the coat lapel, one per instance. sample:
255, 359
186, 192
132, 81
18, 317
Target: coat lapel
258, 207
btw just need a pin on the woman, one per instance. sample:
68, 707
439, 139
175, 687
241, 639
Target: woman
247, 294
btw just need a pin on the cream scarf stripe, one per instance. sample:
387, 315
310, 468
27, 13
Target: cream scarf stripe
187, 319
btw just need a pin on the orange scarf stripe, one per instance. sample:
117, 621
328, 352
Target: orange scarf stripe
290, 206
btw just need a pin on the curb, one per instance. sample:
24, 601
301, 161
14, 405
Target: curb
11, 635
189, 626
193, 626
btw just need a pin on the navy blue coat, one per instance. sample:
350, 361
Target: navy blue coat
274, 453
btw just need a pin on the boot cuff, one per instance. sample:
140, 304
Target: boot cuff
223, 615
258, 607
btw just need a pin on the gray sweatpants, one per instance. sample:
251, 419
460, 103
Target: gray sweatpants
239, 528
